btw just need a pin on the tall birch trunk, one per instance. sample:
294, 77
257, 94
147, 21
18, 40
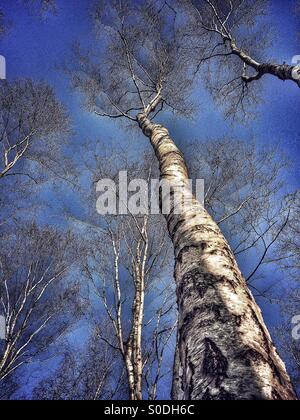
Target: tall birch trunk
132, 350
138, 311
138, 317
224, 350
130, 370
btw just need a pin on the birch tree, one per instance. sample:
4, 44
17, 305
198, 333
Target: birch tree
126, 258
230, 39
224, 350
36, 306
125, 297
83, 375
31, 120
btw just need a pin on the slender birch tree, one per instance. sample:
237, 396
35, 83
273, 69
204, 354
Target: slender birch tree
224, 351
125, 259
36, 306
124, 297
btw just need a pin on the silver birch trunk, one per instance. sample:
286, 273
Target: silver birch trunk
130, 371
224, 350
137, 360
132, 350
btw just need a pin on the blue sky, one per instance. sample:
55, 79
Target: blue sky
34, 47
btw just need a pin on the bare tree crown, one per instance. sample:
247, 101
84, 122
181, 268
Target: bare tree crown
31, 118
140, 68
229, 39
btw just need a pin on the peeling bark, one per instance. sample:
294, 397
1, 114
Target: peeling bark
224, 350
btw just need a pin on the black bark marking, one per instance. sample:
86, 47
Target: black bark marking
238, 320
203, 245
215, 363
199, 281
179, 222
162, 139
175, 153
283, 71
185, 250
215, 312
251, 355
276, 396
191, 371
223, 395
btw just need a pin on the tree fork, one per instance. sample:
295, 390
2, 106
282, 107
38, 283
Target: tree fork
224, 350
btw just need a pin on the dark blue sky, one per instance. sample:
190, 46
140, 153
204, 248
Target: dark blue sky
34, 47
